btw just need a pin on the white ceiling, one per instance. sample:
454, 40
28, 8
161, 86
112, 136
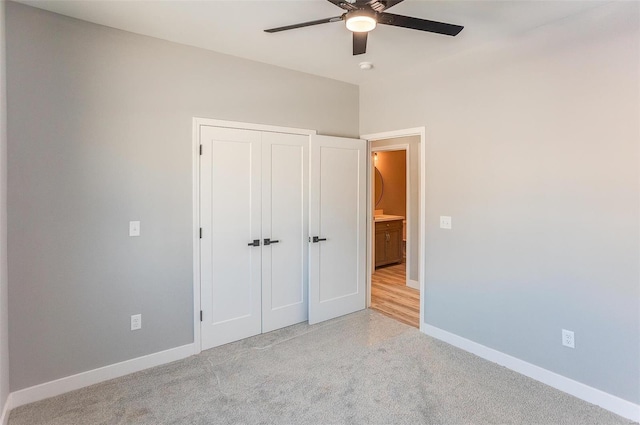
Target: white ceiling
236, 28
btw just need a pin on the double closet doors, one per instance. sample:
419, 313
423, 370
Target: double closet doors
261, 268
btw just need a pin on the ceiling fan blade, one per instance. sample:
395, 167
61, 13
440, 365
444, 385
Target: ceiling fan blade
391, 3
419, 24
380, 5
359, 43
344, 4
305, 24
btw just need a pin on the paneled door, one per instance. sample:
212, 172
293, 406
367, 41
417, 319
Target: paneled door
230, 247
285, 229
337, 227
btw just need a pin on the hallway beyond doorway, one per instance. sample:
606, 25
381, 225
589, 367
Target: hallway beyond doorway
391, 297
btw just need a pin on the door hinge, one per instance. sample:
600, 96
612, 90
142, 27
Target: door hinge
201, 233
201, 315
200, 149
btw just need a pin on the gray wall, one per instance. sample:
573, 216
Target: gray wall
4, 330
100, 125
412, 214
533, 149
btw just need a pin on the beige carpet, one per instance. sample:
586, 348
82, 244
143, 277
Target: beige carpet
364, 368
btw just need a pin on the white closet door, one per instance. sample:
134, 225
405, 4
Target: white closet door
338, 214
230, 218
284, 230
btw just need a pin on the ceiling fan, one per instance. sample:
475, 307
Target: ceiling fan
362, 16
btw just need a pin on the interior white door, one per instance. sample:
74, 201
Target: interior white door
337, 226
230, 188
285, 227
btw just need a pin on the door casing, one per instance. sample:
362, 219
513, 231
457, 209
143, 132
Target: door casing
416, 131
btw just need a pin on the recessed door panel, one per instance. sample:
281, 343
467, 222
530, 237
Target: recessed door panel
338, 227
285, 220
338, 222
230, 217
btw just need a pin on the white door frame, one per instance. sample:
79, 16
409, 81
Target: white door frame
197, 123
407, 201
417, 131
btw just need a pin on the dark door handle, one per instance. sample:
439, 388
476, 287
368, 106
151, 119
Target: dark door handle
317, 239
256, 242
269, 241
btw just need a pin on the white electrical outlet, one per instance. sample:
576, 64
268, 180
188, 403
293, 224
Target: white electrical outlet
445, 222
136, 322
568, 339
134, 228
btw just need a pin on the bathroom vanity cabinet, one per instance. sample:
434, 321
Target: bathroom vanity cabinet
388, 240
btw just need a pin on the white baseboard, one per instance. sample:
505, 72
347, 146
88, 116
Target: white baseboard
4, 417
95, 376
584, 392
413, 284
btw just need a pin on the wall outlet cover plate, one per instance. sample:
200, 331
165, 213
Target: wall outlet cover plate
568, 339
136, 322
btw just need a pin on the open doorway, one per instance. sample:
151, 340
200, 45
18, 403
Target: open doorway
394, 288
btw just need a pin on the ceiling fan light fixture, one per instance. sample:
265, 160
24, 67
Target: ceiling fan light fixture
362, 16
360, 22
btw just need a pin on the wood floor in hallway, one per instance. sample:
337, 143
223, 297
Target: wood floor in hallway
392, 297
